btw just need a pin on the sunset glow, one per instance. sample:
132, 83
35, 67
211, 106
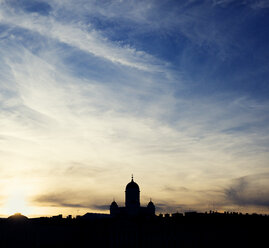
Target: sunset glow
174, 92
15, 200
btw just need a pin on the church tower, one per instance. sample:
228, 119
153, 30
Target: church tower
132, 204
151, 208
114, 209
132, 197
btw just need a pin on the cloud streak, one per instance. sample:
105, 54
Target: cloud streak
67, 132
81, 111
82, 37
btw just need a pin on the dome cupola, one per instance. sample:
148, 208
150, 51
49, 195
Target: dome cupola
114, 209
132, 196
114, 204
151, 205
132, 185
151, 208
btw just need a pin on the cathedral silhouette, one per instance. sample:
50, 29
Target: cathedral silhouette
132, 203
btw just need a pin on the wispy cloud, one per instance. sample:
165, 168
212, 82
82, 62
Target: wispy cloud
82, 37
84, 111
251, 3
70, 121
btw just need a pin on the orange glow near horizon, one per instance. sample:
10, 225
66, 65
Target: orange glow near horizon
16, 203
16, 199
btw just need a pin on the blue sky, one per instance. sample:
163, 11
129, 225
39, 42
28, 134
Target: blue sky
175, 92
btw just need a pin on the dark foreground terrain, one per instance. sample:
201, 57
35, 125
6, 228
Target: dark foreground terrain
211, 230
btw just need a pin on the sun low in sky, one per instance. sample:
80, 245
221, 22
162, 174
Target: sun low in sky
175, 92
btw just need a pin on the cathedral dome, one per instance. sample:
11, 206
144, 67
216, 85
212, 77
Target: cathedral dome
151, 205
151, 208
114, 209
114, 204
132, 185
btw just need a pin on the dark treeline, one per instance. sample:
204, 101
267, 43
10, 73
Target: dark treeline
191, 230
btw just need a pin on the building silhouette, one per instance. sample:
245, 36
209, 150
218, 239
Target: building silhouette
132, 203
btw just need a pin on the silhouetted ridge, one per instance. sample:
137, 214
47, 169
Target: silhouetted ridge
17, 217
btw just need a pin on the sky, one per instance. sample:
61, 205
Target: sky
174, 92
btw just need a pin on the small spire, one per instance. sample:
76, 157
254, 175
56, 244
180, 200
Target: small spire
150, 199
132, 177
